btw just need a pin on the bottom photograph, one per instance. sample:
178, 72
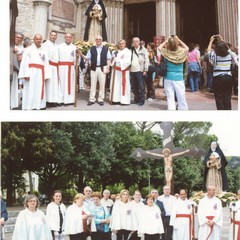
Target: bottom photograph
120, 180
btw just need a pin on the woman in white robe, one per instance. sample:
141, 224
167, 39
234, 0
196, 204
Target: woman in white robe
150, 224
120, 88
235, 211
124, 218
77, 218
56, 212
31, 223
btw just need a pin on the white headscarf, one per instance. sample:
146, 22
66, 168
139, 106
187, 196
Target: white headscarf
213, 146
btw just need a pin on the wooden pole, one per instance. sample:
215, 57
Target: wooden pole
76, 78
113, 82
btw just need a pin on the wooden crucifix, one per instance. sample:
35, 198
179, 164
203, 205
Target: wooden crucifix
167, 152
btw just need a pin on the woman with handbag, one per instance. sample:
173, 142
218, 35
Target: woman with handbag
194, 68
174, 52
151, 72
77, 218
221, 58
55, 213
101, 218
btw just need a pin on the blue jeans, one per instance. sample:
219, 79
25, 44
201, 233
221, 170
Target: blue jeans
209, 79
138, 87
193, 81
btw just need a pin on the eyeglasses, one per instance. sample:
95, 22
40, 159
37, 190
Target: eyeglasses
98, 39
32, 201
153, 192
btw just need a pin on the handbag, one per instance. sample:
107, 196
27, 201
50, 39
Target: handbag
162, 68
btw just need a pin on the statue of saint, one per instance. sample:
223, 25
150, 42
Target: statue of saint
215, 173
95, 25
214, 176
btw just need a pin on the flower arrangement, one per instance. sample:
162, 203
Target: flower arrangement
225, 197
85, 46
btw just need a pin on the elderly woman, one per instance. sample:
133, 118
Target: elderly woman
31, 222
56, 212
124, 218
221, 58
77, 218
150, 224
174, 52
101, 218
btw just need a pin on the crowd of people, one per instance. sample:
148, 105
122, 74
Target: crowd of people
45, 73
121, 216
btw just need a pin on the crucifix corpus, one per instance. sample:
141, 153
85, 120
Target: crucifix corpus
167, 152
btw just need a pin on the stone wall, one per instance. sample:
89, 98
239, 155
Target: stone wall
25, 19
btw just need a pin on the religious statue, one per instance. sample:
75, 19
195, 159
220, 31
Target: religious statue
168, 162
168, 152
95, 25
215, 173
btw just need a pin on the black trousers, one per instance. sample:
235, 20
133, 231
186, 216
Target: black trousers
138, 86
222, 88
151, 236
100, 236
78, 236
168, 230
135, 237
123, 234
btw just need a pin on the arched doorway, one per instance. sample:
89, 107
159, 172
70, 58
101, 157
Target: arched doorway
196, 20
140, 21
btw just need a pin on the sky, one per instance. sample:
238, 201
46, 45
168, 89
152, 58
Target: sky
228, 134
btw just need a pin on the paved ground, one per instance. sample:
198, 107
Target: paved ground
225, 228
202, 100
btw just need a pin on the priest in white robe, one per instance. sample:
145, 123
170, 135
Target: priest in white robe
31, 223
234, 231
34, 69
67, 59
210, 216
181, 218
52, 84
120, 88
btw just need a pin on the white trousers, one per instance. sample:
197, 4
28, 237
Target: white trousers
96, 76
171, 87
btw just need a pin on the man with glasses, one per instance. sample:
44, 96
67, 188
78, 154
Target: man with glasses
88, 201
99, 57
168, 201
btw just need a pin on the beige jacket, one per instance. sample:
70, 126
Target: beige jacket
143, 58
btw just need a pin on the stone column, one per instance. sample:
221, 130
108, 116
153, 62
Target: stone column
41, 16
227, 11
115, 20
165, 17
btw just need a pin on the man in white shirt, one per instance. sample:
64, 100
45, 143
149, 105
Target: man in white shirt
168, 201
106, 201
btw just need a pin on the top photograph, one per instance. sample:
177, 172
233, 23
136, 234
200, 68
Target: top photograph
123, 55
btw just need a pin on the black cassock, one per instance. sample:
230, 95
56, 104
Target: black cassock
104, 16
224, 163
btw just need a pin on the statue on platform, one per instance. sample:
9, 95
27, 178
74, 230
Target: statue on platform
215, 173
95, 25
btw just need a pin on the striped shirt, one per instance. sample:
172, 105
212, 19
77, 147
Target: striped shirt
221, 65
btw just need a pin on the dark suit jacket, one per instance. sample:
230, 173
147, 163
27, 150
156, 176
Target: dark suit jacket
160, 205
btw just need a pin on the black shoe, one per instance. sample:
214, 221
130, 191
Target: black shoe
101, 103
141, 104
90, 103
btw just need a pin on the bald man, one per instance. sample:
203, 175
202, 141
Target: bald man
67, 60
34, 70
210, 216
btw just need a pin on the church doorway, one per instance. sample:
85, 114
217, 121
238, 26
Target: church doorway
196, 21
140, 21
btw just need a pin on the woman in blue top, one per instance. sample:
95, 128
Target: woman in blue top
174, 52
101, 218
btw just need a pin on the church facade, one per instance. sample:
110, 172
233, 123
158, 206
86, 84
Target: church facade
193, 21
